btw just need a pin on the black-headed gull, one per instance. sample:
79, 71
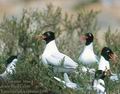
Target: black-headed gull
67, 83
52, 56
88, 56
10, 66
103, 69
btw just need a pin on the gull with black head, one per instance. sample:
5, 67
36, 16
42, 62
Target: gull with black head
52, 56
103, 70
88, 57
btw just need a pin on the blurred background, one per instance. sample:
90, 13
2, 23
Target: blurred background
109, 14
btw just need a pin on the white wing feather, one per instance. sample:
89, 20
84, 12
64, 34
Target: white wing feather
56, 59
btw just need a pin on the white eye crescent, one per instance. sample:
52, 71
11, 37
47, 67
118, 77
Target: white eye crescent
48, 34
108, 51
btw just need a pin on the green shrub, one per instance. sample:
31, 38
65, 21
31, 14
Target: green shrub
18, 35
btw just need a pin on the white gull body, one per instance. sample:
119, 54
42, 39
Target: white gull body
104, 65
88, 56
10, 69
52, 56
99, 86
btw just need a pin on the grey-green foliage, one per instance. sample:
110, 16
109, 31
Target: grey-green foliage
18, 33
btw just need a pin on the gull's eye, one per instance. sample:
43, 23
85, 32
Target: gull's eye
108, 51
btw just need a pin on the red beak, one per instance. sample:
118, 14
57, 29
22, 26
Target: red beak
113, 57
83, 38
40, 37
